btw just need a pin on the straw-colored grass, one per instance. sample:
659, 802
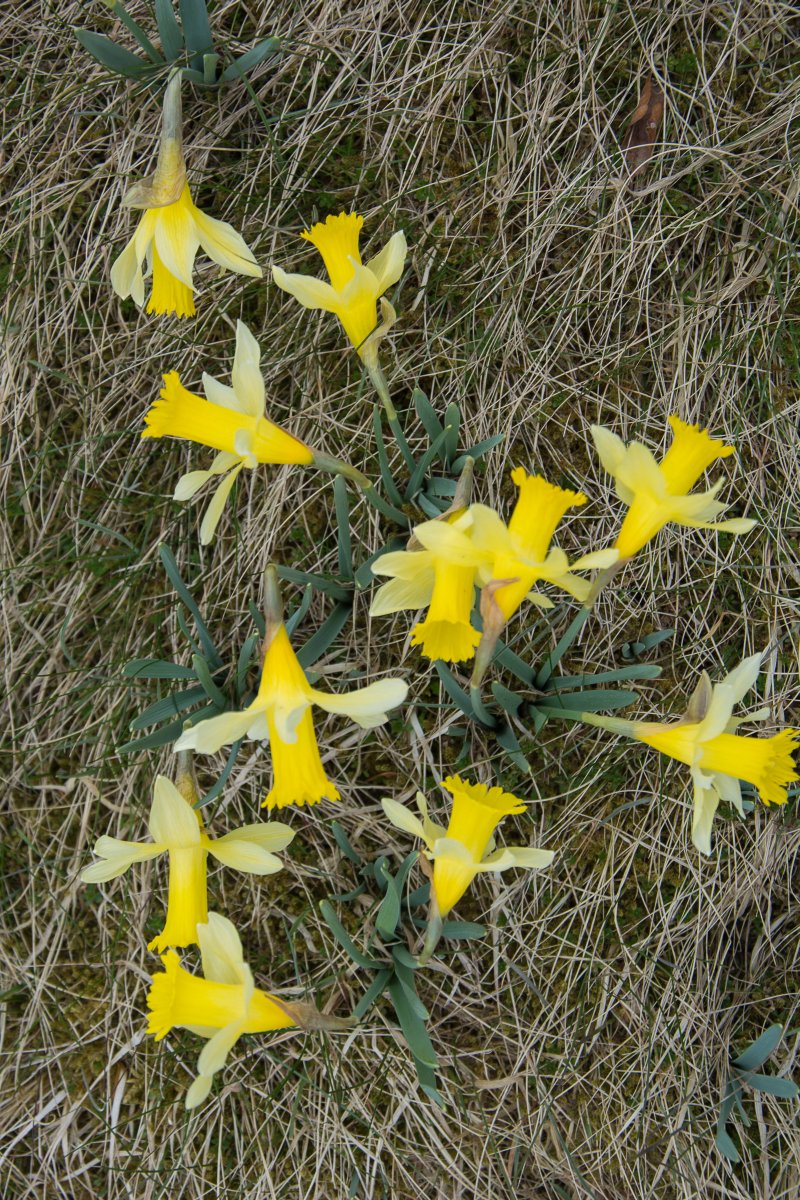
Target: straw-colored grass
583, 1044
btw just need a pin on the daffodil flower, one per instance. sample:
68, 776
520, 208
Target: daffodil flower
231, 421
441, 575
173, 228
220, 1007
459, 853
281, 714
705, 740
521, 552
177, 830
659, 493
354, 288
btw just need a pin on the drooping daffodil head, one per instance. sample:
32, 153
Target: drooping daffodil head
466, 847
441, 574
177, 830
231, 421
220, 1005
521, 552
705, 739
281, 714
172, 229
659, 493
354, 288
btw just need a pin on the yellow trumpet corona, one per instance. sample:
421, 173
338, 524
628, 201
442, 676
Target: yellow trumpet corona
177, 830
659, 493
220, 1006
354, 288
231, 421
705, 740
281, 713
466, 847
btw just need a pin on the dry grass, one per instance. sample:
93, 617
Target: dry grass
583, 1046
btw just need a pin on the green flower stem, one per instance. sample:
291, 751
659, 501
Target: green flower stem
432, 935
273, 602
336, 467
375, 372
600, 581
478, 707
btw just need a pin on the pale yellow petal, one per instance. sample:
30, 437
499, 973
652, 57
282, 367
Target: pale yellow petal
225, 246
173, 822
387, 265
248, 382
208, 526
311, 292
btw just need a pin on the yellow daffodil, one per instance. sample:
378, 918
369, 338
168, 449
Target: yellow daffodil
659, 493
231, 421
281, 714
173, 228
177, 830
705, 739
459, 853
521, 553
221, 1006
354, 288
442, 575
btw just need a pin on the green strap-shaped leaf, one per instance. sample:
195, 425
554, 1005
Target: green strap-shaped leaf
141, 37
383, 459
343, 842
320, 582
345, 941
297, 616
463, 930
215, 695
427, 414
405, 977
454, 691
115, 58
245, 659
196, 29
345, 545
642, 671
590, 701
251, 58
156, 668
217, 787
558, 651
161, 737
330, 629
430, 506
414, 1030
452, 425
477, 451
373, 993
759, 1051
389, 912
168, 30
418, 474
772, 1084
169, 706
174, 575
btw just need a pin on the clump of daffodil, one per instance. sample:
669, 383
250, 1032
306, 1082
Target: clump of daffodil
659, 493
231, 421
441, 575
177, 830
173, 228
354, 288
705, 740
459, 852
281, 714
222, 1005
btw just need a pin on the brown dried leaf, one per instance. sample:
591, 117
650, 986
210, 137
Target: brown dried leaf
644, 126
